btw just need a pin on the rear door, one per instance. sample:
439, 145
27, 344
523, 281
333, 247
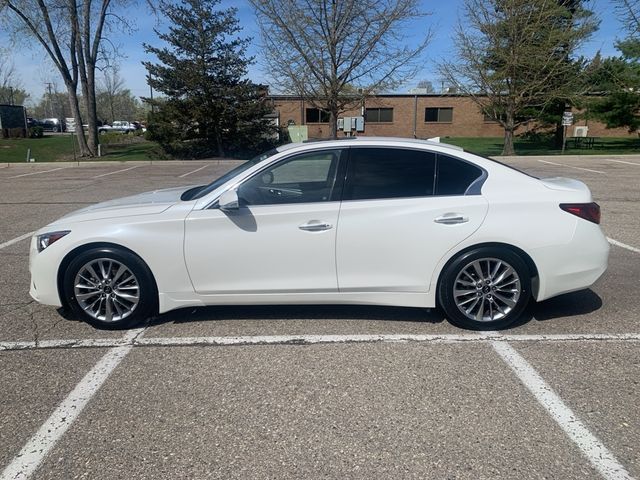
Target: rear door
402, 210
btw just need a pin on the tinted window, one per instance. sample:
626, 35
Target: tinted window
431, 115
315, 115
389, 173
375, 115
309, 177
442, 114
454, 176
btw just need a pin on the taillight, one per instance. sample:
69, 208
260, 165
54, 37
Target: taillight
588, 211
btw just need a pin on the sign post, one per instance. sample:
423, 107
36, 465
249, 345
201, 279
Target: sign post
567, 121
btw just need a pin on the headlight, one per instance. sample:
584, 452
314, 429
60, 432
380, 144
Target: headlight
47, 239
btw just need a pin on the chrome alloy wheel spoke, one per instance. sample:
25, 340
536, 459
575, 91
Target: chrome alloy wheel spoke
106, 290
486, 289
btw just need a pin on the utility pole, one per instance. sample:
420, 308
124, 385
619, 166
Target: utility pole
150, 93
49, 84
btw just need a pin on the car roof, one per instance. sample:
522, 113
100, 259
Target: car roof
370, 140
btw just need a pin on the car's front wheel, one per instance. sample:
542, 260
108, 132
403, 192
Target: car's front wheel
110, 288
485, 289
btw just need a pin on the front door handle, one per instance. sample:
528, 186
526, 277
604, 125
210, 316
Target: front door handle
451, 219
315, 226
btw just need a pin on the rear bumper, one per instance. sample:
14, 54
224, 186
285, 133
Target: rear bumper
574, 266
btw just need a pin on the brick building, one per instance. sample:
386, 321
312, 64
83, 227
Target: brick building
410, 115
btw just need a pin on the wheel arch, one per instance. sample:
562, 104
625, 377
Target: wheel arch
531, 265
106, 246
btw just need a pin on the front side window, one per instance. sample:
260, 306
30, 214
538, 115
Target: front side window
438, 114
375, 173
304, 178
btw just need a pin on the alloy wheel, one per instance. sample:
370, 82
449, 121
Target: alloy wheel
487, 289
106, 290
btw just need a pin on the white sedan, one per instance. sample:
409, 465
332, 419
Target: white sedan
375, 221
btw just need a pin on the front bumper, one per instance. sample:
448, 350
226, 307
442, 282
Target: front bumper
43, 267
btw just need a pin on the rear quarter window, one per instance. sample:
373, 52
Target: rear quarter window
453, 176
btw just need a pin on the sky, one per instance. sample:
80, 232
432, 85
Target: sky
34, 70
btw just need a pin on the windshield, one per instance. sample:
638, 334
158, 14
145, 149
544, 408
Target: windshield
202, 190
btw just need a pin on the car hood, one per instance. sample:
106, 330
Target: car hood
147, 203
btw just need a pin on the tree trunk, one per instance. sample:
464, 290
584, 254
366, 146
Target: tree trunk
508, 141
333, 123
83, 148
91, 109
219, 144
558, 136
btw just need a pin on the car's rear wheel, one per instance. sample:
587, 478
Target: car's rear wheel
485, 288
110, 288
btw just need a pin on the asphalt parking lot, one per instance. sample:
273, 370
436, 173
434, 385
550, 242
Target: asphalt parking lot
317, 391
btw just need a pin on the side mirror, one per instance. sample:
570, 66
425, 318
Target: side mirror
228, 201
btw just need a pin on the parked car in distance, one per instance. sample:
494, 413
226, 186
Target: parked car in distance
32, 122
139, 126
119, 126
377, 221
52, 125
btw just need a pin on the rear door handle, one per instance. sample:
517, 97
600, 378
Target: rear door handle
315, 226
451, 219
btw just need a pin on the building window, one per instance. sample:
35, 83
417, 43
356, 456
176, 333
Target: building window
438, 114
315, 115
378, 115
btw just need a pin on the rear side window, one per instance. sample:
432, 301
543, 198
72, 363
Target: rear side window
389, 173
455, 176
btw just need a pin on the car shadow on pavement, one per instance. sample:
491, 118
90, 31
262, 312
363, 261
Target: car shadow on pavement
572, 304
300, 312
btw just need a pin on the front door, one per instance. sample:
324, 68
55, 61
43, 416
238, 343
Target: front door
280, 240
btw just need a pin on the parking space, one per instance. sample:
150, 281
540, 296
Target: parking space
356, 411
33, 383
601, 382
319, 391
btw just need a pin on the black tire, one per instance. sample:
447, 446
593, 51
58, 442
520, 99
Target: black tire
492, 305
114, 304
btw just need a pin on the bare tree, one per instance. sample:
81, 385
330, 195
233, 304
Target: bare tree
112, 85
11, 90
71, 32
333, 52
513, 57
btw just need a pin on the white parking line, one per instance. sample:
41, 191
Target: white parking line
621, 161
117, 171
570, 166
317, 339
15, 240
39, 173
196, 170
599, 456
27, 461
623, 245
